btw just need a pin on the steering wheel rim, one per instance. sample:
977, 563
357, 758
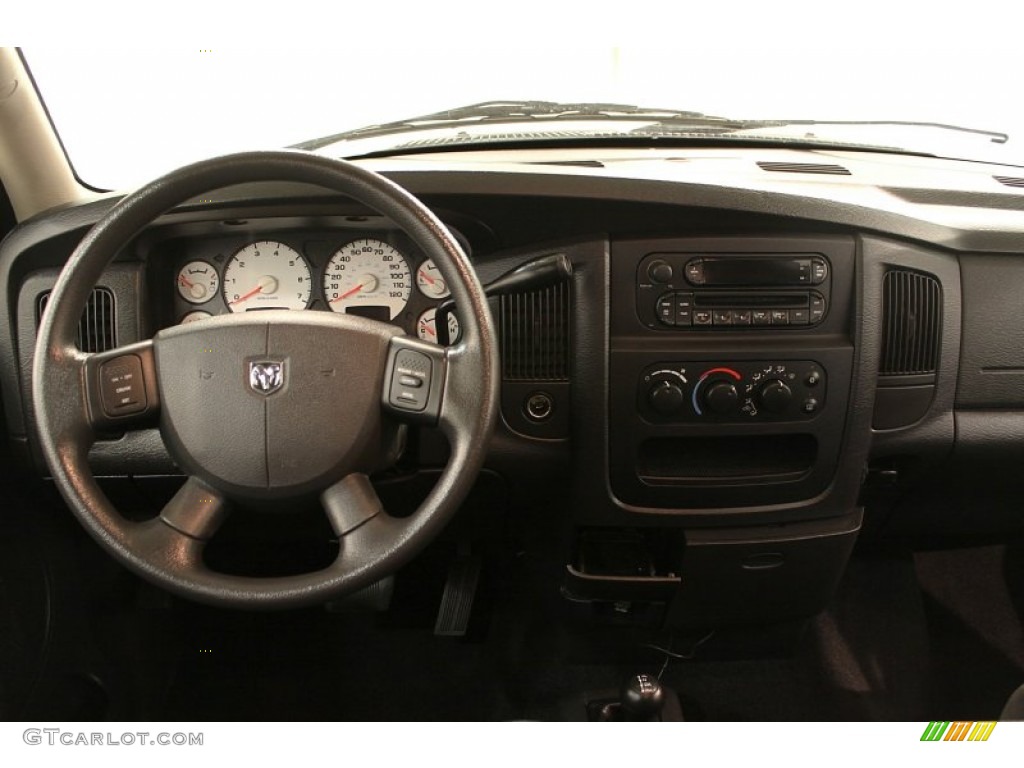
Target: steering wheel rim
168, 549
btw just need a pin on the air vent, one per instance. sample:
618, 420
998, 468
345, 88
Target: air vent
826, 169
97, 330
574, 163
1010, 181
911, 324
535, 335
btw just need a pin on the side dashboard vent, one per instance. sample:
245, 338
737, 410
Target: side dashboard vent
535, 335
1010, 181
911, 323
819, 168
97, 330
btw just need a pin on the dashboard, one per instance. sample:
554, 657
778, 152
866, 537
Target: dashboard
748, 369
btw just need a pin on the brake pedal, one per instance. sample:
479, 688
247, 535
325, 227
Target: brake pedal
459, 593
375, 598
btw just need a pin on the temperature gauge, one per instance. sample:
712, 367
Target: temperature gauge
426, 326
198, 282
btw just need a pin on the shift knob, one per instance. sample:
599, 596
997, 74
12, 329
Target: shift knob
642, 698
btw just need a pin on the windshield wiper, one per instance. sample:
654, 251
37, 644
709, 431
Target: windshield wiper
515, 111
997, 137
656, 124
669, 125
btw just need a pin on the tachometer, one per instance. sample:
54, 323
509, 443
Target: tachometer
368, 277
266, 275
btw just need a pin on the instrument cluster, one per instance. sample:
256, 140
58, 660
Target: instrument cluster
378, 275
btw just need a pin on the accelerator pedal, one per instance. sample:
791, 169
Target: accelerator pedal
459, 593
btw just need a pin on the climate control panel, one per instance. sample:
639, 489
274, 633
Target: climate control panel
737, 392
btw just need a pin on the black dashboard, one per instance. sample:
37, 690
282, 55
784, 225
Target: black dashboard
742, 365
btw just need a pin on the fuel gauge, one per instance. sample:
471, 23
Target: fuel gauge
198, 282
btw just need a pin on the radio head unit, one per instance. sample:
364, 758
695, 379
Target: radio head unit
739, 291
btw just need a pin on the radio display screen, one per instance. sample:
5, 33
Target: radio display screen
756, 271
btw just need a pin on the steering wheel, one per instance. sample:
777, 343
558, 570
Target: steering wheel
272, 405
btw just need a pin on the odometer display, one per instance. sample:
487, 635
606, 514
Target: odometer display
367, 273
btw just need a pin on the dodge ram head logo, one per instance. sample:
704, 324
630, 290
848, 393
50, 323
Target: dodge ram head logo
265, 377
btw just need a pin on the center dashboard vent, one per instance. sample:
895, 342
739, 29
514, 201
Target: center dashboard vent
817, 168
535, 335
911, 323
97, 330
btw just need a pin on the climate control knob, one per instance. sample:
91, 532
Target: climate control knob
721, 397
775, 396
666, 398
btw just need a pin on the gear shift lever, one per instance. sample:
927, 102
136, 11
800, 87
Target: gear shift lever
642, 698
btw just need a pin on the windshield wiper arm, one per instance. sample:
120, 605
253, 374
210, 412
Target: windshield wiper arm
997, 137
670, 124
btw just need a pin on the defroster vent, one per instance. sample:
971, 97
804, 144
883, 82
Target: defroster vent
828, 169
535, 335
911, 324
97, 330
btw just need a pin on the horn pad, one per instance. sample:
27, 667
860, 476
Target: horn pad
275, 403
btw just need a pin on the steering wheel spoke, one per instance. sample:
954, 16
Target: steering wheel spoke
196, 510
350, 502
120, 388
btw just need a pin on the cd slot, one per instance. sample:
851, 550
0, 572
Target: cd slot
793, 300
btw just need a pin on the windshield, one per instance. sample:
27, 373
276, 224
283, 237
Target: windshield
128, 116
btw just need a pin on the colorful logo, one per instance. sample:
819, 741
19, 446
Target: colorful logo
960, 731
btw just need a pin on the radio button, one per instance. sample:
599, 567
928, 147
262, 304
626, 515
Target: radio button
817, 308
723, 317
780, 317
684, 309
701, 317
695, 272
819, 271
761, 317
803, 271
666, 309
741, 317
798, 317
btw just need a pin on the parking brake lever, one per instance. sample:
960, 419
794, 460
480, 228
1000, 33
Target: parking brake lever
531, 276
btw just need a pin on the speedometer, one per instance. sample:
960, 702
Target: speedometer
266, 275
368, 277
